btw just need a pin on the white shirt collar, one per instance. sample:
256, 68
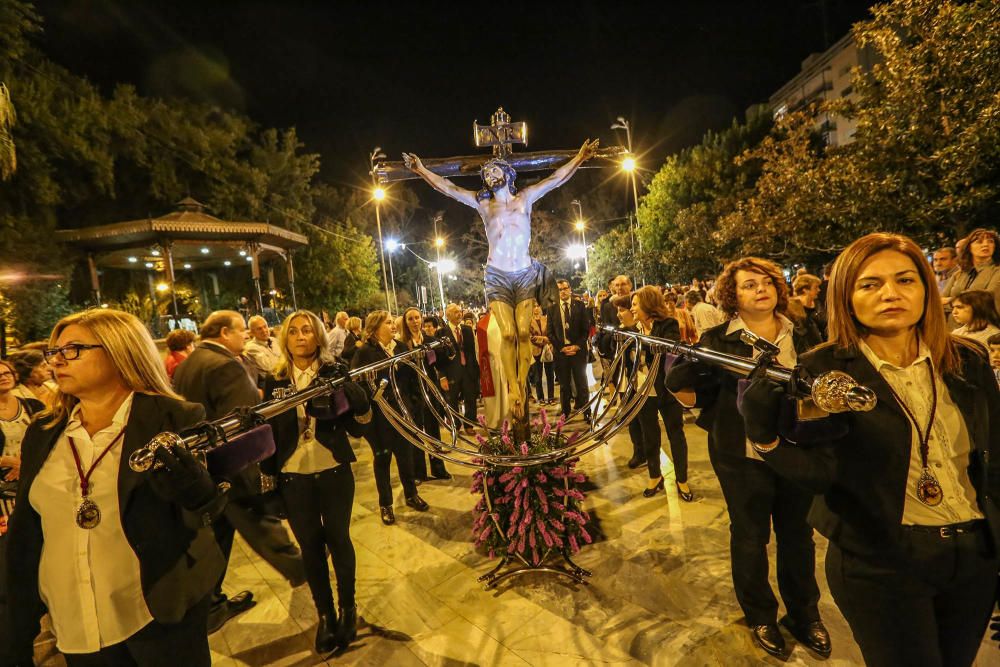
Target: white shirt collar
119, 420
303, 378
923, 354
737, 324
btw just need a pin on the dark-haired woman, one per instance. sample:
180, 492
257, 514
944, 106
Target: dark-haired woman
650, 313
15, 416
906, 491
979, 261
411, 335
976, 315
386, 442
752, 293
312, 463
34, 376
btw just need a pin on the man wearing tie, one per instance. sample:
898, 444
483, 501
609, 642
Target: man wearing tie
567, 331
463, 371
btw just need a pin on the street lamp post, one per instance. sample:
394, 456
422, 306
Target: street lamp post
378, 194
628, 165
391, 245
438, 244
581, 227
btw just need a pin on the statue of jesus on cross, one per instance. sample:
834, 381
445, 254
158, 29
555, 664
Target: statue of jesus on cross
514, 281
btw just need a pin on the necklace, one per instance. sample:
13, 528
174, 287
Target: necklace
88, 514
929, 491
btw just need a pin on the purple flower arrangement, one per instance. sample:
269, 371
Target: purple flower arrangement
531, 510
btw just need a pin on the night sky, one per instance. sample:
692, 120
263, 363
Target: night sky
414, 76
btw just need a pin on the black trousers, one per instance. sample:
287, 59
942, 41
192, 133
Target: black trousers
319, 512
756, 497
572, 373
157, 645
465, 388
429, 423
931, 612
672, 414
382, 455
535, 373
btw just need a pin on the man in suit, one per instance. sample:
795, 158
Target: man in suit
463, 371
568, 328
213, 376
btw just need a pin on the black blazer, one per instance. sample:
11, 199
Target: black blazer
409, 382
453, 368
331, 433
29, 405
579, 327
179, 559
716, 390
217, 380
350, 347
861, 472
381, 435
665, 328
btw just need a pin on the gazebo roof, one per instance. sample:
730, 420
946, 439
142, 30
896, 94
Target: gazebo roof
189, 222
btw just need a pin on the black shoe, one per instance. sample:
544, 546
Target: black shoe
686, 496
649, 493
326, 633
634, 463
442, 475
813, 635
417, 503
421, 478
769, 638
231, 607
388, 518
347, 628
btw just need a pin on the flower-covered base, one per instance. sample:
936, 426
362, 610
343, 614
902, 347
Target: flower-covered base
530, 515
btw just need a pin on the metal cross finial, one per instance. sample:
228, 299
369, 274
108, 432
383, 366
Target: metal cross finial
500, 133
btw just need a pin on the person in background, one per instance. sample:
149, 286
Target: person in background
543, 360
753, 293
976, 315
383, 438
354, 339
15, 416
261, 351
463, 371
338, 335
993, 343
802, 310
410, 337
312, 463
705, 316
979, 264
123, 562
906, 492
33, 376
567, 330
945, 263
180, 343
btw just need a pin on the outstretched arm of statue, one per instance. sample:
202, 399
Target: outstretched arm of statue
439, 183
562, 174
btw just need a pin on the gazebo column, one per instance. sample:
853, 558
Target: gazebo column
291, 279
95, 280
168, 257
255, 268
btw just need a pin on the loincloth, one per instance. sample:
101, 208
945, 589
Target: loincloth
513, 287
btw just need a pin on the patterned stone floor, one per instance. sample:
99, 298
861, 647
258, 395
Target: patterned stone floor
661, 593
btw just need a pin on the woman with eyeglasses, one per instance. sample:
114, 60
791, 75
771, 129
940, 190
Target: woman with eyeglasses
124, 562
312, 463
386, 442
753, 294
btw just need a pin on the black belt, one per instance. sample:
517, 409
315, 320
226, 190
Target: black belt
950, 530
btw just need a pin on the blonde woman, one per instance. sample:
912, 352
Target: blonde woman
312, 463
386, 442
129, 559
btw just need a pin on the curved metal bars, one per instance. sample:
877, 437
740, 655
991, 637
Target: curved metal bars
833, 391
464, 451
207, 438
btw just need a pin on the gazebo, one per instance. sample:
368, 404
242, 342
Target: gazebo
186, 239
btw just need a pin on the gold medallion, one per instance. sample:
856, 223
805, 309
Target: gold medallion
88, 514
928, 490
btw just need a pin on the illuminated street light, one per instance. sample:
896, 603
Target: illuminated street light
628, 164
447, 265
576, 251
378, 194
162, 287
439, 242
392, 245
581, 227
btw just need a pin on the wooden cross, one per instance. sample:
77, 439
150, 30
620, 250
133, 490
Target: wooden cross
500, 134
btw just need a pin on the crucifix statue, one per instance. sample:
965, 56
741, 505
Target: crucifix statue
515, 281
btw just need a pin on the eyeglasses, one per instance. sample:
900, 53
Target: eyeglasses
6, 374
69, 352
